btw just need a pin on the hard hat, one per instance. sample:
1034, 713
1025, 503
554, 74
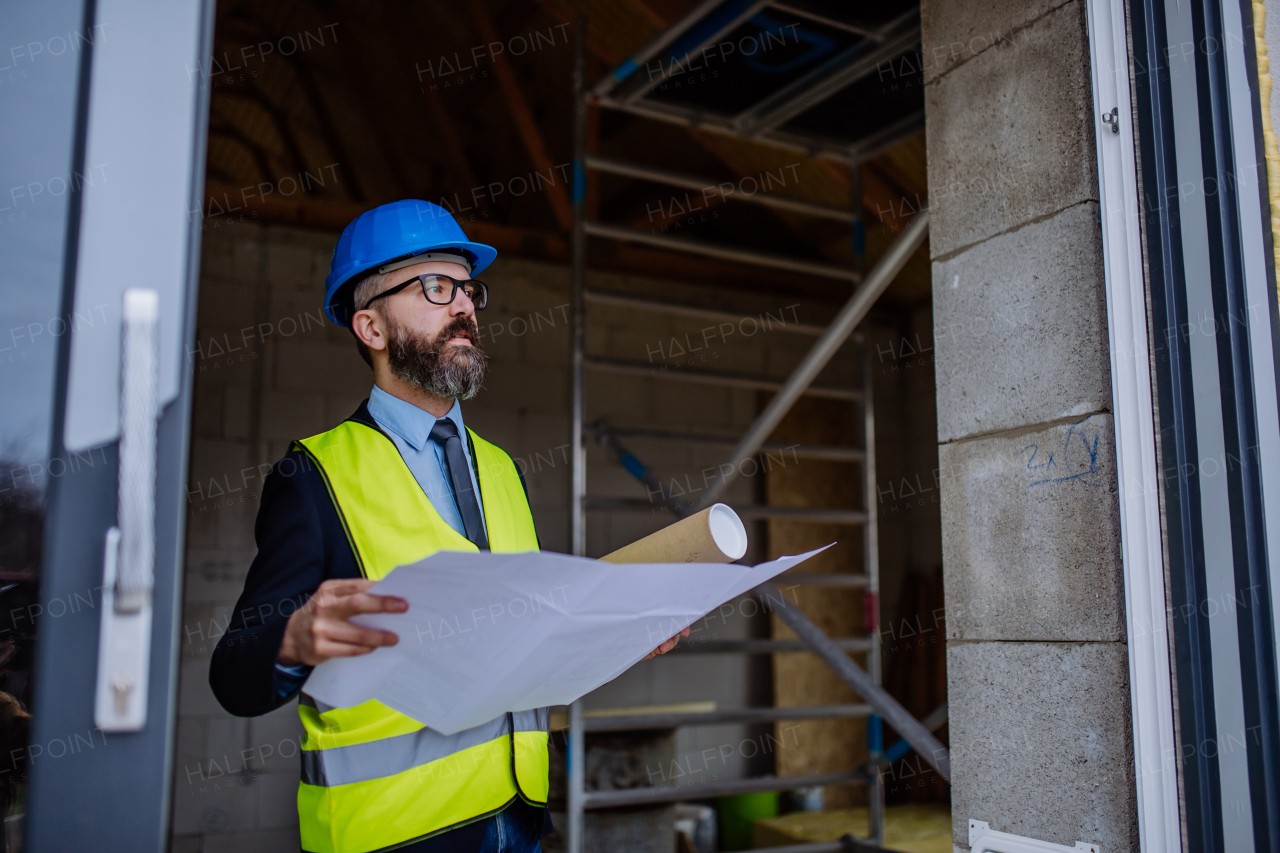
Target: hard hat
391, 233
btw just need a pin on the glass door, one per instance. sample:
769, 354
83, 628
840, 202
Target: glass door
101, 129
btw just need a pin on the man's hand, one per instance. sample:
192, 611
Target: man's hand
667, 646
320, 630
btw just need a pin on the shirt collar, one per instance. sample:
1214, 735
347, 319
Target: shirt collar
406, 420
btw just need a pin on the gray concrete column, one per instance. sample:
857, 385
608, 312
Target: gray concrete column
1037, 665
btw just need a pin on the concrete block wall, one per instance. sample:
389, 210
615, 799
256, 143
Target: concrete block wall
1037, 664
270, 369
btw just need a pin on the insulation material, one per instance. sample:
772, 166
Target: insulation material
818, 746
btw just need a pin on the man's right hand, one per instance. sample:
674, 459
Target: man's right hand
320, 630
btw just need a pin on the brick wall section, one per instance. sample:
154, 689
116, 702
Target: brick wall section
1037, 664
269, 369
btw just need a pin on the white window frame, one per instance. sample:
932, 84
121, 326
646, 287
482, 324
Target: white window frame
1150, 679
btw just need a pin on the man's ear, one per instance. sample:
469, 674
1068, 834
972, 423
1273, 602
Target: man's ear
369, 329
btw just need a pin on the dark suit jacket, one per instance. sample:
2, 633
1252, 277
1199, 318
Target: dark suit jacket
300, 544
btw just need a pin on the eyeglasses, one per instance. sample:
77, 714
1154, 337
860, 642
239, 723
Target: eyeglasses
441, 290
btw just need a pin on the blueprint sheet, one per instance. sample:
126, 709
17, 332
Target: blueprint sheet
489, 633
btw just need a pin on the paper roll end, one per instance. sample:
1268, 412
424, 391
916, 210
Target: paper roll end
727, 530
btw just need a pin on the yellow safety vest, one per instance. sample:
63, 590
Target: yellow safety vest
373, 778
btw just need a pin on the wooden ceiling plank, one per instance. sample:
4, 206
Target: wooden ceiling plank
371, 107
259, 154
319, 108
442, 127
518, 105
328, 128
289, 140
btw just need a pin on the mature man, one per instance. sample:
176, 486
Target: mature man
398, 480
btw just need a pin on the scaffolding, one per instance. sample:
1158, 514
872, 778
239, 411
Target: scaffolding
763, 121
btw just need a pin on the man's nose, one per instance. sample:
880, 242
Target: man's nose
462, 305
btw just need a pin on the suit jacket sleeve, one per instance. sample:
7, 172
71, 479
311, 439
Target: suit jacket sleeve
290, 564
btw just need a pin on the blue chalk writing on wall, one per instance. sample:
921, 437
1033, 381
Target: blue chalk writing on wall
1075, 460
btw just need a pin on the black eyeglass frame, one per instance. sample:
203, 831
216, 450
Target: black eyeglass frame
421, 279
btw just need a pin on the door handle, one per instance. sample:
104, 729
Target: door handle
128, 571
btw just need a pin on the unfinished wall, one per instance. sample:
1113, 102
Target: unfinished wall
1037, 663
269, 369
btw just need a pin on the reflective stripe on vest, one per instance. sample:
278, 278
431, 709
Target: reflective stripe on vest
373, 778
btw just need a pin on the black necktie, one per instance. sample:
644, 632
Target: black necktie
445, 433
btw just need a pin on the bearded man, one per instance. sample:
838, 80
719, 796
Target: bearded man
401, 478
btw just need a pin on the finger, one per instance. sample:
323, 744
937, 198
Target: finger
683, 633
362, 602
332, 590
345, 632
327, 649
346, 586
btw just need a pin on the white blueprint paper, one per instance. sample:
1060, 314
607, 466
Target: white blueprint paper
489, 633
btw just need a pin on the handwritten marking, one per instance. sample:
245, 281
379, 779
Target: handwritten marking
1051, 464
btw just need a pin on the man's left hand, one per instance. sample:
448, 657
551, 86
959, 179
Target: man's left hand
667, 646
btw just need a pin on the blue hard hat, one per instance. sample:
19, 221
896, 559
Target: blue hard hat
393, 232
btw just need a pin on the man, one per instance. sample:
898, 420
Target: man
398, 480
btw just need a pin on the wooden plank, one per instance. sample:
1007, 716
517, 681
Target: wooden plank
518, 104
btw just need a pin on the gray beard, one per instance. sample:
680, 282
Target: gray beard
455, 374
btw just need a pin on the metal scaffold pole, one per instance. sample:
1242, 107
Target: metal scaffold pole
871, 549
578, 481
576, 781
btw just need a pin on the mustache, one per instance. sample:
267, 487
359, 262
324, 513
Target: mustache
461, 326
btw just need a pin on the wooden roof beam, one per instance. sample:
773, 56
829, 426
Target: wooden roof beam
518, 104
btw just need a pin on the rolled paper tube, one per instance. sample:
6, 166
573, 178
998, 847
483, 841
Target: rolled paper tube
715, 535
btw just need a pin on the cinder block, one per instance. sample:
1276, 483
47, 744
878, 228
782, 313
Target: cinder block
277, 799
288, 416
207, 412
235, 411
195, 698
215, 576
1041, 741
340, 405
543, 334
248, 254
289, 263
213, 806
226, 739
201, 628
226, 304
277, 737
186, 844
1031, 535
312, 365
534, 387
955, 31
1011, 134
1020, 328
224, 355
255, 841
212, 463
189, 748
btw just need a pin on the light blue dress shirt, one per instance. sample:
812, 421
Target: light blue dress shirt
410, 429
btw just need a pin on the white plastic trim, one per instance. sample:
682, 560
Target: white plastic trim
984, 839
144, 127
1150, 685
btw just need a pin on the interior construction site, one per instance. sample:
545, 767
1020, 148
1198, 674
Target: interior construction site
967, 310
712, 261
